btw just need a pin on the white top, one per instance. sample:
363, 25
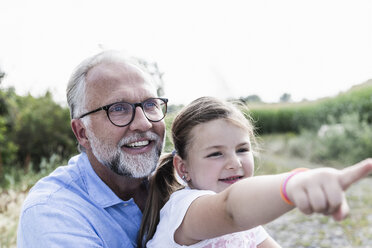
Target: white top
171, 217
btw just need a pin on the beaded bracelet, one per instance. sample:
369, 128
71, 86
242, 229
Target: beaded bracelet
283, 186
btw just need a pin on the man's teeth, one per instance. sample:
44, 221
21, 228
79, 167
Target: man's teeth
139, 143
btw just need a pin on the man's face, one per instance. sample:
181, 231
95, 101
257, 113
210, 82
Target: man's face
132, 150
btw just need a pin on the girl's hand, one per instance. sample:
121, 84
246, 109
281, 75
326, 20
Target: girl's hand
322, 190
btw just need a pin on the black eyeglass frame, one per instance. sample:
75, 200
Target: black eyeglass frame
134, 106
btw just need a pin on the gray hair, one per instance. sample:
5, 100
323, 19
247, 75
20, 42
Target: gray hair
75, 91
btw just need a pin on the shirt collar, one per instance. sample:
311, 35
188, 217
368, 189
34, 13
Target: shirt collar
98, 191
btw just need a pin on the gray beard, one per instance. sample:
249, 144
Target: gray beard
135, 166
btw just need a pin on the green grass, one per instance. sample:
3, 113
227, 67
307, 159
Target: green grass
12, 194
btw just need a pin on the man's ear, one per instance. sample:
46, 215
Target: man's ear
79, 130
180, 166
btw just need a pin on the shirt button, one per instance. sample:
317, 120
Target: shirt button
125, 204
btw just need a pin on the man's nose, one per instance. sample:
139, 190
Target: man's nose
140, 121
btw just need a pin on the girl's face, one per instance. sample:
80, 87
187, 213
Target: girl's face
219, 155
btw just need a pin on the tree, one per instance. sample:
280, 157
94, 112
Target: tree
286, 97
2, 126
2, 75
42, 129
7, 148
153, 69
250, 98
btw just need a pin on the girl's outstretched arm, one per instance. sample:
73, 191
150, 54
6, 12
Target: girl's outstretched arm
322, 190
255, 201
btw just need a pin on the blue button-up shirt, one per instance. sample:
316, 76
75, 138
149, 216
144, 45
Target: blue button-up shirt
73, 207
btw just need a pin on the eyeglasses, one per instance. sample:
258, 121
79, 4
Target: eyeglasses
121, 114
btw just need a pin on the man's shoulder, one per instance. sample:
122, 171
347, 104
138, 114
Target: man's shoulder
63, 183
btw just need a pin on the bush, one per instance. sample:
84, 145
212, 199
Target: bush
20, 180
293, 117
344, 142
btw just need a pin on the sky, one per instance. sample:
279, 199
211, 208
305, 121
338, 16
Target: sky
228, 49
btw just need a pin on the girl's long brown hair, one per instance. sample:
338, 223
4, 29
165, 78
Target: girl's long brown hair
164, 181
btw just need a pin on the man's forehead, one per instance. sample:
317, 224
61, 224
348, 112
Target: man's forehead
113, 72
113, 81
113, 69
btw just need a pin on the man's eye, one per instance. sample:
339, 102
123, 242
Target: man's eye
117, 108
150, 105
122, 108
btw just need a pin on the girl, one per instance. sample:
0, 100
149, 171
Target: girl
222, 205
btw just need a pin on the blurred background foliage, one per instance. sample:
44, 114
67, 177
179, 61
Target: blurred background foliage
31, 129
293, 117
329, 131
35, 133
35, 138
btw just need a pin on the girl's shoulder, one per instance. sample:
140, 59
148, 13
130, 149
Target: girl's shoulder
187, 194
172, 214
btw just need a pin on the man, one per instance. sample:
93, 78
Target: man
97, 200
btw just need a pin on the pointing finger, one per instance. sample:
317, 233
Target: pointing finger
355, 172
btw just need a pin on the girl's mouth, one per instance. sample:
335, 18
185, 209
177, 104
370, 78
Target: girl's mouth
231, 180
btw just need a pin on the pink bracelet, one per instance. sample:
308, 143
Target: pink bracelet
283, 186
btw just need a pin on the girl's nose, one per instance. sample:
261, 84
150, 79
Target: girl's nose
233, 162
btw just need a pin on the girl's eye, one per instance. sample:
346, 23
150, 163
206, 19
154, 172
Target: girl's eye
215, 154
241, 150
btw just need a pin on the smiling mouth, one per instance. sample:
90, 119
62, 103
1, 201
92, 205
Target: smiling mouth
231, 179
138, 144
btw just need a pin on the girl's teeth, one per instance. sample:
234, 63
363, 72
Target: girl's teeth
231, 178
